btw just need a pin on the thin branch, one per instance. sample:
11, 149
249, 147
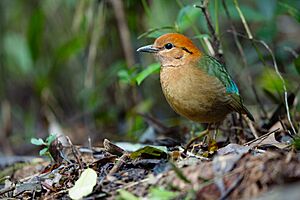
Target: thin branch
283, 86
75, 152
96, 32
195, 29
124, 31
217, 11
250, 36
253, 130
292, 51
78, 15
235, 37
215, 40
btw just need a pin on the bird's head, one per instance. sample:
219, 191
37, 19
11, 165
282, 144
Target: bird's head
173, 49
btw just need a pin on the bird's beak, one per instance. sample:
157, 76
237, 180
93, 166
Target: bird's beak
148, 49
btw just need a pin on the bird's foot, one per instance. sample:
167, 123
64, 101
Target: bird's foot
201, 135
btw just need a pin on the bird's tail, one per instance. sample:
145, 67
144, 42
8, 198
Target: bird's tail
237, 105
247, 112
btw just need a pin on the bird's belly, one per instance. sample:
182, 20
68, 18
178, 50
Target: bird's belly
196, 96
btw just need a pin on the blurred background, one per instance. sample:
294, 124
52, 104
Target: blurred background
71, 66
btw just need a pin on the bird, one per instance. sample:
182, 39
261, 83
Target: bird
197, 86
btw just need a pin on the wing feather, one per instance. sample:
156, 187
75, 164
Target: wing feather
214, 68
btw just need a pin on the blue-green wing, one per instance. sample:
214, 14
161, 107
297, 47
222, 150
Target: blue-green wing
214, 68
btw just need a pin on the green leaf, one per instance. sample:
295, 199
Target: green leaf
158, 193
202, 36
50, 139
84, 185
127, 75
267, 32
297, 64
186, 17
125, 195
18, 53
179, 173
35, 32
38, 141
156, 32
149, 152
251, 14
153, 68
43, 151
290, 9
70, 47
271, 82
296, 143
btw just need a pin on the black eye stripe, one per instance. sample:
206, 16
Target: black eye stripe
185, 49
170, 46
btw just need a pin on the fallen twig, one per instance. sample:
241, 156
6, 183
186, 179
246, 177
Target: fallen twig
8, 189
261, 137
250, 124
119, 164
75, 152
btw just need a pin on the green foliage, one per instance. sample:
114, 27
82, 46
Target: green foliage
297, 64
270, 81
289, 8
127, 76
153, 68
187, 17
251, 14
156, 32
125, 195
135, 122
156, 193
46, 144
133, 75
296, 143
19, 59
159, 193
149, 152
35, 33
70, 47
180, 174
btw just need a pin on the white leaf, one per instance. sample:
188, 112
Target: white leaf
84, 185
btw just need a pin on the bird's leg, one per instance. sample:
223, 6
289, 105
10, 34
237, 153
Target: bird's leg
216, 130
201, 135
211, 139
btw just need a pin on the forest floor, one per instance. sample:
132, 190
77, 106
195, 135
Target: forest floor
262, 168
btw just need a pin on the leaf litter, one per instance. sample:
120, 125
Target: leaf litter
226, 171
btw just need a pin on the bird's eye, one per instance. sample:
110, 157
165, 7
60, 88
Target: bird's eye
169, 46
